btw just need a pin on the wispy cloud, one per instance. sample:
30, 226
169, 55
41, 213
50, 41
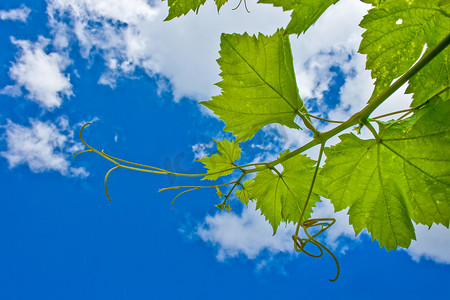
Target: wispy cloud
43, 146
16, 14
39, 73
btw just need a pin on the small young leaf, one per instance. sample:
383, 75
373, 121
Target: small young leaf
222, 163
258, 86
403, 177
219, 192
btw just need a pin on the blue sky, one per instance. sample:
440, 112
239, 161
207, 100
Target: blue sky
64, 63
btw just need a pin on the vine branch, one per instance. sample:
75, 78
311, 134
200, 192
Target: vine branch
361, 118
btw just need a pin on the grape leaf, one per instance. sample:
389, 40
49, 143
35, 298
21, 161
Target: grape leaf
405, 176
245, 194
281, 198
305, 12
258, 86
177, 8
396, 33
222, 163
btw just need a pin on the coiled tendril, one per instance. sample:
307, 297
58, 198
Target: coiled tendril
324, 223
300, 243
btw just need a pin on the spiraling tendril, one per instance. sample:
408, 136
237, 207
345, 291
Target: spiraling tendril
300, 243
324, 223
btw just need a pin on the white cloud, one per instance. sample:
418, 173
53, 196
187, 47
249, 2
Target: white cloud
16, 14
43, 146
131, 34
39, 73
432, 244
248, 234
332, 41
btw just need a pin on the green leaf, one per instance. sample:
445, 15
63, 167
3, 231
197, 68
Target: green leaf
220, 3
281, 198
258, 86
396, 33
305, 12
178, 8
245, 194
222, 163
405, 176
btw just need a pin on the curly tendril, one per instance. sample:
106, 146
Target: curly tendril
325, 223
300, 243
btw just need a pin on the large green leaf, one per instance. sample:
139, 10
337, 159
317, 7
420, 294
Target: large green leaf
281, 198
402, 177
396, 33
305, 12
258, 86
222, 163
178, 8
